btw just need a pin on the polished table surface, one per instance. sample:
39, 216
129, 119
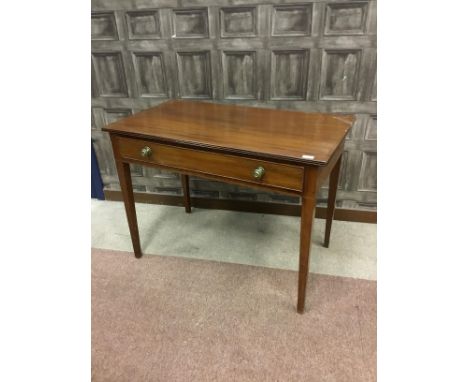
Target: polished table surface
277, 150
269, 133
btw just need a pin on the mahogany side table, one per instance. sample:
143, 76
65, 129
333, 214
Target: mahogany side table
283, 151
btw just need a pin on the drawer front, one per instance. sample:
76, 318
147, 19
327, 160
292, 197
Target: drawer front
227, 166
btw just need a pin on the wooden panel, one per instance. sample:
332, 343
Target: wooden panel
143, 25
239, 75
110, 75
289, 74
339, 74
371, 128
374, 89
291, 20
113, 115
368, 175
136, 170
105, 157
190, 23
101, 117
238, 22
277, 175
256, 31
150, 74
103, 26
346, 18
194, 74
344, 175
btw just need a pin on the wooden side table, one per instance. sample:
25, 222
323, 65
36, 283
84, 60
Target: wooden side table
278, 150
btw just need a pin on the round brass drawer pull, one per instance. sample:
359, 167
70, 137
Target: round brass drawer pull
258, 173
146, 152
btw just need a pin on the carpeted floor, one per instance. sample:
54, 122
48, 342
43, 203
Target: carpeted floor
173, 319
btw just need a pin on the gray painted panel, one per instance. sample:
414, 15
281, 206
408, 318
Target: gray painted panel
238, 22
374, 89
109, 71
289, 74
292, 20
194, 74
150, 74
103, 26
143, 25
190, 23
239, 75
368, 174
313, 56
339, 74
371, 129
346, 18
113, 115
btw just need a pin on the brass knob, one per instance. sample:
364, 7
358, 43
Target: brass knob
258, 173
146, 152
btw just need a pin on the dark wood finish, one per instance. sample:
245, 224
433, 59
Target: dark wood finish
325, 171
343, 214
123, 169
186, 189
307, 220
332, 189
261, 133
296, 151
228, 167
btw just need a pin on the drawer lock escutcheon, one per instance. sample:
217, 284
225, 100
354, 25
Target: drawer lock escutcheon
259, 172
146, 152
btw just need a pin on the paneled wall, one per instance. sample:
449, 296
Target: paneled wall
309, 55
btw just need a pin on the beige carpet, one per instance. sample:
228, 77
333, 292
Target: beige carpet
174, 319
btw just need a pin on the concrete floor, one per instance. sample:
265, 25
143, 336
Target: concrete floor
237, 237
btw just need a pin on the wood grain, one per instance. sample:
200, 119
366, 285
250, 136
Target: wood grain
265, 133
125, 179
307, 221
332, 189
280, 176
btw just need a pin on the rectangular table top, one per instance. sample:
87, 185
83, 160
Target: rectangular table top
282, 135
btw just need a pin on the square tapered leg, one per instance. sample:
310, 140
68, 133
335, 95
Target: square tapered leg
332, 190
307, 220
186, 191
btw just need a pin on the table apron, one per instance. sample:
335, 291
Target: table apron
278, 177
